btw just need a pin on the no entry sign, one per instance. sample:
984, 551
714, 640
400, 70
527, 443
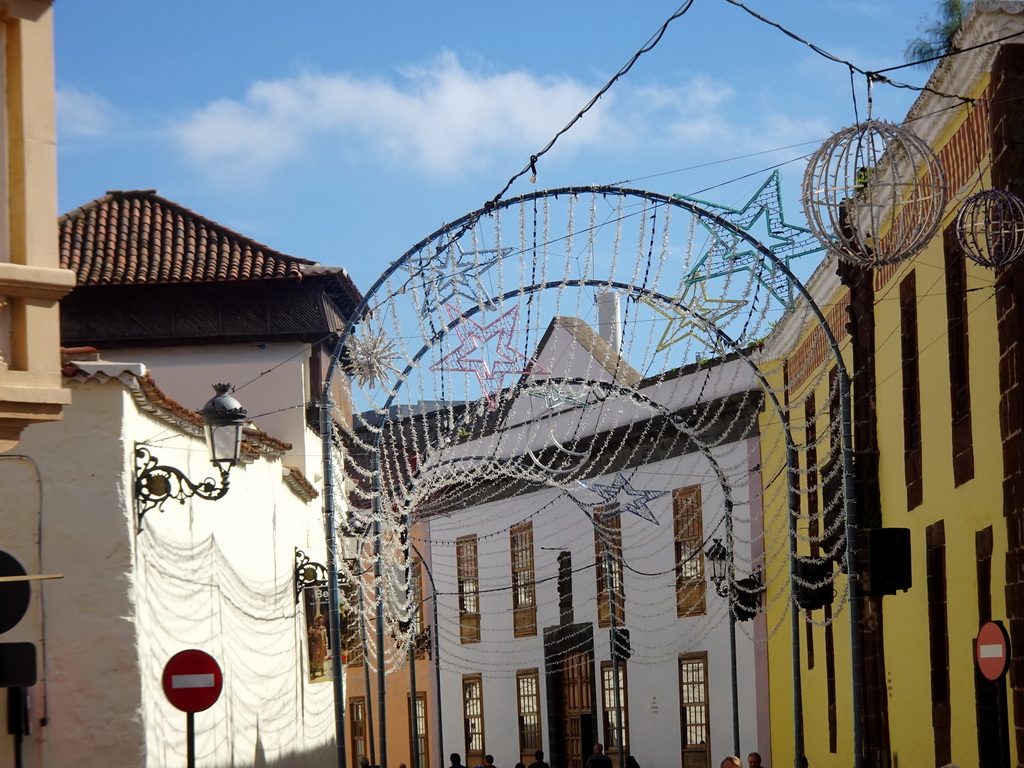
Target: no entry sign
992, 650
192, 680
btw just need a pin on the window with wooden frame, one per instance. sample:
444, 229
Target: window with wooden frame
938, 639
912, 459
469, 588
693, 709
528, 703
421, 728
609, 715
473, 718
688, 523
608, 540
357, 728
524, 592
959, 368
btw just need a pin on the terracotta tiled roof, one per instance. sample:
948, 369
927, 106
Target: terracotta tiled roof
139, 237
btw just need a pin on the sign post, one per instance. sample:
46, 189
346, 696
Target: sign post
992, 655
192, 682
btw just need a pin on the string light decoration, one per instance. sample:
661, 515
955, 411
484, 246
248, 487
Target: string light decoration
874, 193
503, 398
990, 228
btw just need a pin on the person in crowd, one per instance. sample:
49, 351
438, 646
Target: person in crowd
732, 762
456, 760
599, 759
538, 760
754, 760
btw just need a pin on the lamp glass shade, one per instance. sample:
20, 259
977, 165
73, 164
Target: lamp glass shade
223, 419
716, 557
224, 442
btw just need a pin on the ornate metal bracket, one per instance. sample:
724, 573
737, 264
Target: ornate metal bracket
307, 573
156, 482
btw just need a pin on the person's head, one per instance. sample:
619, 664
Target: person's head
732, 762
803, 761
598, 748
364, 762
488, 760
401, 765
454, 757
754, 760
539, 755
520, 765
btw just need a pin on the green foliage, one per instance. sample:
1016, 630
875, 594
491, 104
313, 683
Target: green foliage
937, 37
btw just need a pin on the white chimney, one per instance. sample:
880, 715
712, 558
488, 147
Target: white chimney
609, 318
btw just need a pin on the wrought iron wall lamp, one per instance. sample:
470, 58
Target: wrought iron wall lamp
223, 419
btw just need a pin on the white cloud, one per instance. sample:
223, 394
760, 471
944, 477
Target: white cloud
441, 118
444, 119
83, 114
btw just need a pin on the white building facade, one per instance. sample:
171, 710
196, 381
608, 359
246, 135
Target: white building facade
592, 501
218, 576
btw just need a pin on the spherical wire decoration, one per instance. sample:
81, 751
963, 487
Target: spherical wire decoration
990, 228
874, 193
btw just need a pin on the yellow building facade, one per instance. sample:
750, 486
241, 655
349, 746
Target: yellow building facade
934, 349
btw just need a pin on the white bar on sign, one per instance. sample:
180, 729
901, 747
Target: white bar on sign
990, 652
197, 681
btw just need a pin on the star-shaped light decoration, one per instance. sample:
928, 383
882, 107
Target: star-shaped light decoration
690, 316
453, 273
621, 497
472, 356
371, 357
728, 253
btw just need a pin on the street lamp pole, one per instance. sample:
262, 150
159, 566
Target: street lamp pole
723, 575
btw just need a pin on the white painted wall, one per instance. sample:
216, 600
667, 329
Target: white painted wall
272, 382
214, 575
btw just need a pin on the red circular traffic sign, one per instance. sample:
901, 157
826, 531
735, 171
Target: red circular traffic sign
192, 680
992, 650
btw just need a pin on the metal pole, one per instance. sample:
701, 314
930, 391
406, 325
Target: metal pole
382, 726
414, 707
190, 740
794, 608
853, 579
330, 536
731, 594
366, 676
435, 638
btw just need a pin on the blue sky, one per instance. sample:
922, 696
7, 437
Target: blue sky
347, 132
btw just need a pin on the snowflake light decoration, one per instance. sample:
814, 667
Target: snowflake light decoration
371, 357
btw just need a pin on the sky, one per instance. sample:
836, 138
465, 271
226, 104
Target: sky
345, 133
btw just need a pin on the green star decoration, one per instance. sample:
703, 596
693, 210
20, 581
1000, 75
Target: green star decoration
693, 315
728, 253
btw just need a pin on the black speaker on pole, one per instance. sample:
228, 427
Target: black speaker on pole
885, 560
